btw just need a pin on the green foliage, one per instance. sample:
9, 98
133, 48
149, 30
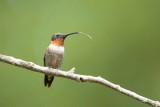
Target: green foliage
125, 49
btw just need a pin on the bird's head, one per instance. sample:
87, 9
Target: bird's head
58, 38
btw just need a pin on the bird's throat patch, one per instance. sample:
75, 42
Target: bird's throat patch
58, 42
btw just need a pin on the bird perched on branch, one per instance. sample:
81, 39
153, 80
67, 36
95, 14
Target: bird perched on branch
54, 55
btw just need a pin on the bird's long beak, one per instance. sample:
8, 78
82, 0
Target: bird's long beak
65, 35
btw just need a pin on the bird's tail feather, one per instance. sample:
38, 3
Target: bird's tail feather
48, 80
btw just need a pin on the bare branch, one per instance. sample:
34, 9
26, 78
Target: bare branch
81, 78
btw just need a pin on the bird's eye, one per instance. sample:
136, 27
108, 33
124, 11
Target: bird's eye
58, 35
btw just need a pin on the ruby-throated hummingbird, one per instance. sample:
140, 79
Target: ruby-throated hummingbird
54, 54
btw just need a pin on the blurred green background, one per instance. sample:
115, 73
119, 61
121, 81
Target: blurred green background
125, 50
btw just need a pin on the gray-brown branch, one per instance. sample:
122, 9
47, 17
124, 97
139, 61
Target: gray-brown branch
81, 78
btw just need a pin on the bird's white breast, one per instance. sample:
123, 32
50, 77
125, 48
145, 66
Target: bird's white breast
54, 56
56, 49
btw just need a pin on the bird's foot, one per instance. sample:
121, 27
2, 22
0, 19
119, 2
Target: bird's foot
49, 67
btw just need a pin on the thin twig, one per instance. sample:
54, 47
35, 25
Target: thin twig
81, 78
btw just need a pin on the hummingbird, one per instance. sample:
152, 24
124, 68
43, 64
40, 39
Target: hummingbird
54, 55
